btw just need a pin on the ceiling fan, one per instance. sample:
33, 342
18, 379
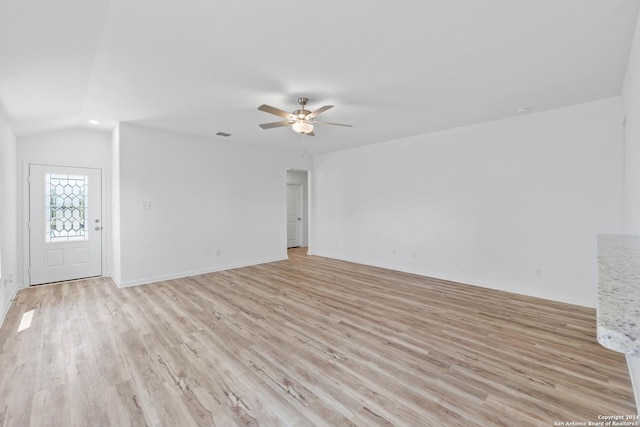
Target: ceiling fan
301, 121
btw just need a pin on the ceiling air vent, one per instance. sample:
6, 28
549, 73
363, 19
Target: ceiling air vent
223, 134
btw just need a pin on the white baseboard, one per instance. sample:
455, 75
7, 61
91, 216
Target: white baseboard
115, 278
180, 275
461, 280
7, 306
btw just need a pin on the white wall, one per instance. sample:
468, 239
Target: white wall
76, 147
300, 177
8, 236
205, 195
631, 96
486, 204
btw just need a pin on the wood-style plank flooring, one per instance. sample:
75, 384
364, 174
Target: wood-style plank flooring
304, 342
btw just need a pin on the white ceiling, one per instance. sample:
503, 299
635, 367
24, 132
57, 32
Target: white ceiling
392, 69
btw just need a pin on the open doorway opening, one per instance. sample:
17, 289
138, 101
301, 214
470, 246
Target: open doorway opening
297, 208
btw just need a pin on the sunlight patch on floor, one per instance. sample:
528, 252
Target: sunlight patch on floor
25, 322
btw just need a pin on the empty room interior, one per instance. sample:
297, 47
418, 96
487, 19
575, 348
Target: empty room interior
319, 214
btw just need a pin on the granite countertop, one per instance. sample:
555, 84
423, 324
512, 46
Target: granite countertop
619, 293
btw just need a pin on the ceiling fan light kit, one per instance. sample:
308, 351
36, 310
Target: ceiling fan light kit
302, 127
301, 121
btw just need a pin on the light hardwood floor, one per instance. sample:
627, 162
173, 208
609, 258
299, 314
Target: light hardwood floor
304, 342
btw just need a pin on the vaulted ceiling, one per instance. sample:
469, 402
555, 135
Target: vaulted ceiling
392, 69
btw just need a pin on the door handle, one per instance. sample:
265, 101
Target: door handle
98, 228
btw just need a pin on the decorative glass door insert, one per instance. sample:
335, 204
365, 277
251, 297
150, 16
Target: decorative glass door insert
66, 207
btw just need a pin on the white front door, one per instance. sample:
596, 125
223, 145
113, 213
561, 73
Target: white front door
65, 223
294, 215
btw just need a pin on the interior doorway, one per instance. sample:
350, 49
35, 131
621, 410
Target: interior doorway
294, 215
297, 208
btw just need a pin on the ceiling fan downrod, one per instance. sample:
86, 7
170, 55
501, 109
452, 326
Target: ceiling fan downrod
301, 114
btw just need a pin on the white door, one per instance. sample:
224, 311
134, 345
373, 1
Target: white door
294, 215
65, 223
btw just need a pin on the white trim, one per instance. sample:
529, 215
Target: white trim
115, 279
310, 206
309, 218
301, 222
26, 279
148, 280
456, 279
5, 311
26, 214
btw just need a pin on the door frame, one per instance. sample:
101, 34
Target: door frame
106, 223
301, 223
308, 200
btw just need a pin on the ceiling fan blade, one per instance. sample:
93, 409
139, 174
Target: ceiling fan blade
318, 111
334, 124
272, 110
275, 124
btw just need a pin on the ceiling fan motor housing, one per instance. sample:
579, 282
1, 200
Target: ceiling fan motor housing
301, 114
